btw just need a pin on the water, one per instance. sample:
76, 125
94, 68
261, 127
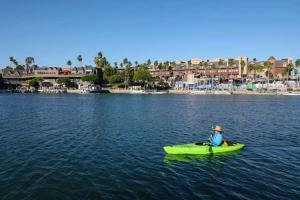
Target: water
109, 146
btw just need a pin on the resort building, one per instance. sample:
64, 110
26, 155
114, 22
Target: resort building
277, 69
49, 74
191, 72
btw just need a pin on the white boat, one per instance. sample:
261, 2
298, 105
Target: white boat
156, 92
222, 92
138, 92
199, 92
147, 92
291, 94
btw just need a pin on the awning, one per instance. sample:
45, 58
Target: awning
66, 70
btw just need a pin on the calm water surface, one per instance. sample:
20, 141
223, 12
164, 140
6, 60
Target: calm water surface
110, 147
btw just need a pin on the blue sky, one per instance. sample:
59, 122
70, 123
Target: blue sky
53, 31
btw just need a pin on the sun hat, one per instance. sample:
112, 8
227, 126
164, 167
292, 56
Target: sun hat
217, 128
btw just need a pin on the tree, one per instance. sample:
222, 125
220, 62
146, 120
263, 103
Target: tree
100, 61
116, 64
243, 64
205, 64
65, 81
231, 62
221, 62
156, 63
125, 61
189, 64
90, 78
35, 82
97, 62
108, 71
115, 79
166, 65
20, 68
287, 70
28, 61
7, 69
127, 75
268, 67
142, 75
136, 63
69, 63
148, 62
160, 67
15, 62
79, 58
297, 64
259, 68
100, 55
129, 64
252, 67
11, 60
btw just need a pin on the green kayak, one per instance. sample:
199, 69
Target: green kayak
195, 149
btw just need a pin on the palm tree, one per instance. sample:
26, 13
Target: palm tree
160, 67
297, 64
251, 68
167, 63
221, 62
287, 70
69, 63
116, 64
15, 62
99, 61
243, 64
11, 60
268, 67
100, 55
200, 65
125, 61
231, 63
259, 67
189, 64
79, 58
127, 73
205, 64
29, 61
155, 64
148, 62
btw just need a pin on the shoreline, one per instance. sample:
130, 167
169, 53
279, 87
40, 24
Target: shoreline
173, 91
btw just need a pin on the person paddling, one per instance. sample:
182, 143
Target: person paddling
216, 138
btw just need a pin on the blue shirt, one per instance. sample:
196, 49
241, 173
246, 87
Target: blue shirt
216, 139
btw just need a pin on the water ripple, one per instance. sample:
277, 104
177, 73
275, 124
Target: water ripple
110, 147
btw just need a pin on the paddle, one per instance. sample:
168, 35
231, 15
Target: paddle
210, 149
